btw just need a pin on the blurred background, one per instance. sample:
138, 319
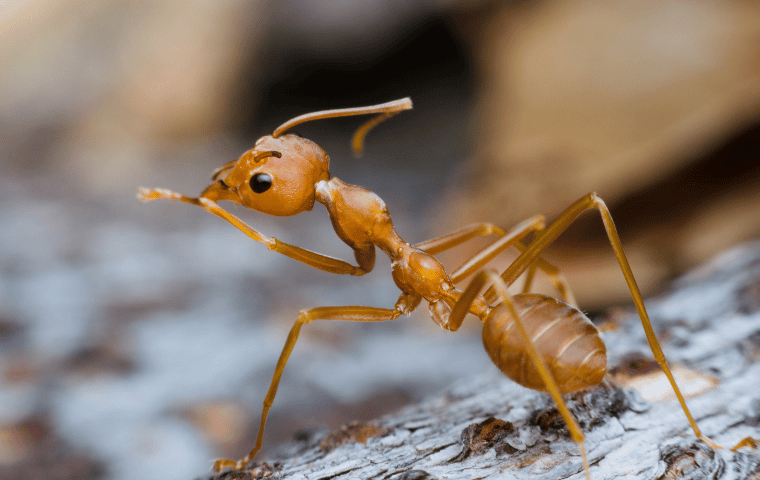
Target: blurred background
137, 341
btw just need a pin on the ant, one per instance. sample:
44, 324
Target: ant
538, 341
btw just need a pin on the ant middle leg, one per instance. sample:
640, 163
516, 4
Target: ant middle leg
506, 240
348, 313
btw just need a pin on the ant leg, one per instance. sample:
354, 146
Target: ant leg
487, 254
534, 224
312, 259
350, 314
746, 442
461, 308
505, 241
553, 231
446, 242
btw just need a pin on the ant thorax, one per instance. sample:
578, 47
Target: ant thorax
359, 216
361, 219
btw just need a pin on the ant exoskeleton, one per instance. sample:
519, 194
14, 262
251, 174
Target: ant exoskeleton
284, 174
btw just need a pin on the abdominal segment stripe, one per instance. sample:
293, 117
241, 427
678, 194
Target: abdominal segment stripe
588, 357
546, 329
525, 312
568, 344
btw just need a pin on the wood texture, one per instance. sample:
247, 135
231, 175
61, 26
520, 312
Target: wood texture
489, 427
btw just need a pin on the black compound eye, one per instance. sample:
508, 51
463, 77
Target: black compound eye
260, 182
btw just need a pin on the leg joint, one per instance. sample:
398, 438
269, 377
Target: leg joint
491, 229
304, 316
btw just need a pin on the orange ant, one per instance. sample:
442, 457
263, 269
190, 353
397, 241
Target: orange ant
539, 342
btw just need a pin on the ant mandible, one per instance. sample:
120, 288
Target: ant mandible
284, 174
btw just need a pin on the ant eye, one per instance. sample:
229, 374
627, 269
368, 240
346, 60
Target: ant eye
261, 182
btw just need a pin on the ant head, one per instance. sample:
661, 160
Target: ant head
277, 177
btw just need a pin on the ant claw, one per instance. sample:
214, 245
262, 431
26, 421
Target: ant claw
747, 442
146, 195
222, 463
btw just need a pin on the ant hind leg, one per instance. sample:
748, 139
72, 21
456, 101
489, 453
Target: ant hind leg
460, 309
565, 219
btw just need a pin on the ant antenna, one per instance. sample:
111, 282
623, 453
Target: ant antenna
386, 110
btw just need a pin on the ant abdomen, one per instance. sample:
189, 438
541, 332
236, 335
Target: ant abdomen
564, 337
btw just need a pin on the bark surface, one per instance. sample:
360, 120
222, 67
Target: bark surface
489, 427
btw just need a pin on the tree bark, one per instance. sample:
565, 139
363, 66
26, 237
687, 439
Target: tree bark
489, 427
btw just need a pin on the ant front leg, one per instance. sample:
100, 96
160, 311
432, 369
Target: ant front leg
312, 259
506, 239
346, 314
